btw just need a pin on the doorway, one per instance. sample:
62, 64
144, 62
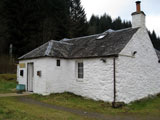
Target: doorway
30, 74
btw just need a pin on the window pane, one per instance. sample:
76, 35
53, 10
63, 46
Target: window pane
58, 62
80, 75
80, 64
80, 70
21, 72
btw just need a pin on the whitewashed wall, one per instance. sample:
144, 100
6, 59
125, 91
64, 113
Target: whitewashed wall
58, 77
97, 82
22, 79
39, 83
137, 77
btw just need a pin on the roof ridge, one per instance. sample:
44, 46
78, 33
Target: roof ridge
79, 37
125, 29
62, 42
49, 47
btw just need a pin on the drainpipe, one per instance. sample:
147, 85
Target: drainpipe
114, 82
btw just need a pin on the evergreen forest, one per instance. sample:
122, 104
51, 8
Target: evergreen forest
27, 24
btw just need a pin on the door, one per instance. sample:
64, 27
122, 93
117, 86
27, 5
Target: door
30, 73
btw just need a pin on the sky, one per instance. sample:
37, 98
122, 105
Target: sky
124, 8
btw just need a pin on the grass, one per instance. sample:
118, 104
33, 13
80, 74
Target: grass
7, 83
12, 109
148, 106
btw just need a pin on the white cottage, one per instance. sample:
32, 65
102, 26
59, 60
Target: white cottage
114, 66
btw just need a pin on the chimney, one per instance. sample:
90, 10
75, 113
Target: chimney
138, 6
138, 17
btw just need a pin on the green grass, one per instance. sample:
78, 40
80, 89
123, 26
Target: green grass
74, 101
7, 83
148, 106
12, 109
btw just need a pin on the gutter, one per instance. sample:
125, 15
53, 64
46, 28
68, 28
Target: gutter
132, 56
112, 55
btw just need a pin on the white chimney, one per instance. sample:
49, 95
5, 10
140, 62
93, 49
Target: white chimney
138, 17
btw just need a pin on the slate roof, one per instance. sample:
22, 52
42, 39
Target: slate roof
158, 53
110, 43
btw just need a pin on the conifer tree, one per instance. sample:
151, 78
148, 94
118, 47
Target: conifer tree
78, 21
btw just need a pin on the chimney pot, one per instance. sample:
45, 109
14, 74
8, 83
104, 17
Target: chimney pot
138, 6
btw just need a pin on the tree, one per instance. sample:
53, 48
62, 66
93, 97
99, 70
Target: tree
22, 25
117, 24
93, 25
105, 22
78, 21
54, 19
3, 41
155, 40
29, 23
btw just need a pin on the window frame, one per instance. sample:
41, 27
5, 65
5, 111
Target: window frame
80, 70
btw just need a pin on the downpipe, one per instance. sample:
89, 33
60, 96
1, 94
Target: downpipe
114, 83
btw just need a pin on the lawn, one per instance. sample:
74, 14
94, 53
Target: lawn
149, 106
7, 83
11, 108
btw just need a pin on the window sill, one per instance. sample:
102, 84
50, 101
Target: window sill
79, 79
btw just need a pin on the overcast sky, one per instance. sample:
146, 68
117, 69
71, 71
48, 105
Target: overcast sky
124, 8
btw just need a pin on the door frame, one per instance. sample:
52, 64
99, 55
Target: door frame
31, 63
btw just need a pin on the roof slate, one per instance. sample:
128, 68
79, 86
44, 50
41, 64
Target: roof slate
84, 47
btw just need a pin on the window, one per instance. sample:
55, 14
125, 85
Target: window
100, 37
58, 63
39, 73
21, 73
80, 69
